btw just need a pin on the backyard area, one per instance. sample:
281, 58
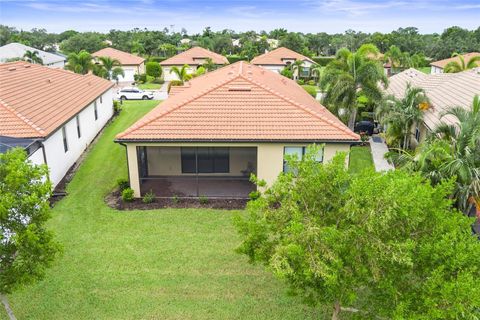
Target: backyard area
360, 159
158, 264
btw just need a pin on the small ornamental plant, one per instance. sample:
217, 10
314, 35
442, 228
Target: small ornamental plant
127, 195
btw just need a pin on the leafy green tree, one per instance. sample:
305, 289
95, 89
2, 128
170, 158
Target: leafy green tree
384, 246
27, 248
460, 65
209, 65
80, 62
294, 41
399, 115
86, 41
395, 56
167, 50
350, 75
182, 73
153, 69
109, 68
33, 57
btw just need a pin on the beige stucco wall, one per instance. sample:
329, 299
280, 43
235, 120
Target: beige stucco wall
269, 157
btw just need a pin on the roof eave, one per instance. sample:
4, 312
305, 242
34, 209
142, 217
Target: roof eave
156, 140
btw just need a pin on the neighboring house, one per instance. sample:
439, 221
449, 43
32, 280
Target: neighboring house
53, 113
17, 51
276, 60
207, 139
438, 66
194, 57
444, 90
130, 63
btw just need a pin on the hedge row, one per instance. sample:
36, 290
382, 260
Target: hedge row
234, 58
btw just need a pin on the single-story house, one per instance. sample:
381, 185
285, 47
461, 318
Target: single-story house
207, 139
444, 90
194, 57
15, 50
53, 113
130, 63
438, 66
276, 60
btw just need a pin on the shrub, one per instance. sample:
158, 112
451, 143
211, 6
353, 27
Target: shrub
153, 69
149, 197
175, 199
286, 72
127, 194
311, 82
117, 107
234, 58
312, 90
123, 184
300, 82
140, 78
158, 80
150, 78
174, 83
203, 199
254, 195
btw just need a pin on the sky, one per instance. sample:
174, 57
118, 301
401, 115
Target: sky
329, 16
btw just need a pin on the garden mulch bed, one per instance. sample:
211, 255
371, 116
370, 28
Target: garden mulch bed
114, 200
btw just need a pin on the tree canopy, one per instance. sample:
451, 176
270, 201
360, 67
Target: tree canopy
379, 245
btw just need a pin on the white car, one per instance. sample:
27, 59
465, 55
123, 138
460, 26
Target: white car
133, 93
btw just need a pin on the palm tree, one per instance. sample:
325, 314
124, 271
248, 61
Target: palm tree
80, 62
399, 115
182, 73
316, 72
460, 65
297, 68
395, 56
209, 65
350, 75
32, 57
109, 68
452, 152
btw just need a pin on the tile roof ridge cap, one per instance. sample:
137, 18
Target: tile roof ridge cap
305, 108
22, 117
170, 109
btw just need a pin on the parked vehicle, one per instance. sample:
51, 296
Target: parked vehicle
365, 126
133, 93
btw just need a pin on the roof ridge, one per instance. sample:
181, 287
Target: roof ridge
304, 108
176, 106
21, 117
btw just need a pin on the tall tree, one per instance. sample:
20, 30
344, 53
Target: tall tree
349, 76
182, 73
384, 246
109, 68
80, 62
452, 152
27, 248
399, 115
32, 57
461, 65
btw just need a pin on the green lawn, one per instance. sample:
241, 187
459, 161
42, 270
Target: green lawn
149, 86
360, 158
312, 90
425, 69
159, 264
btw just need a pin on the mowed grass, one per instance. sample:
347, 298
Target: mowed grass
149, 86
360, 159
159, 264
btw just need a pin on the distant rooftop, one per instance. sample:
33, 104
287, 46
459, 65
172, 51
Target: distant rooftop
278, 57
193, 56
467, 56
124, 58
18, 50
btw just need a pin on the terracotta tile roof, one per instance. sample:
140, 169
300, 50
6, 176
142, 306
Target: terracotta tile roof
444, 90
467, 56
36, 100
125, 58
278, 56
241, 102
193, 57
